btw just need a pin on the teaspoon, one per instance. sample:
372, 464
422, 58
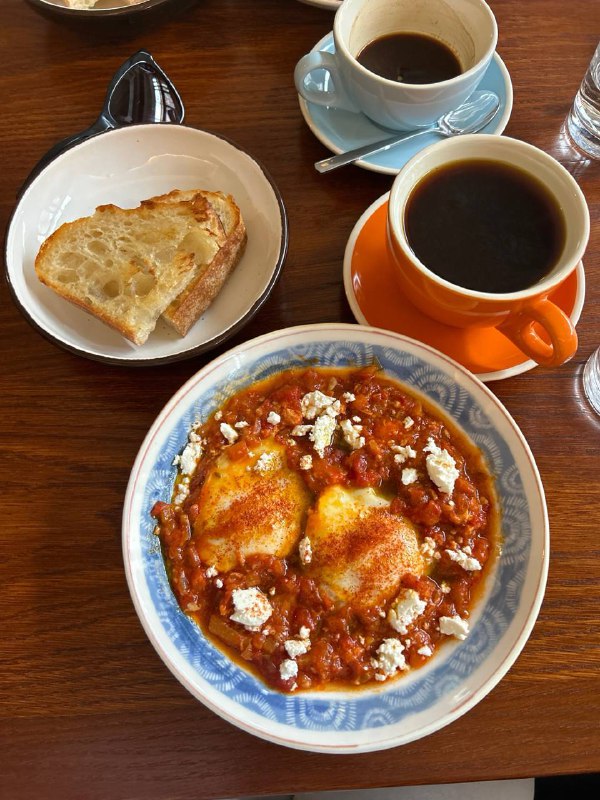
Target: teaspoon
472, 116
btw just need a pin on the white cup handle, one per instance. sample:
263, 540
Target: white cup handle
336, 97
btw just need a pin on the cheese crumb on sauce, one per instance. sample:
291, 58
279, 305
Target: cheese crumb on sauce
441, 467
228, 432
301, 430
408, 423
425, 651
241, 424
313, 403
322, 433
428, 547
402, 453
296, 647
405, 609
305, 462
454, 626
390, 659
352, 435
211, 572
304, 632
464, 560
251, 608
409, 475
305, 550
273, 418
288, 669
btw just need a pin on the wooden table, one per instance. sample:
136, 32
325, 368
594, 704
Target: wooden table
87, 708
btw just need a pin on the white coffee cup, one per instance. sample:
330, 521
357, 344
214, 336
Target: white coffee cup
468, 27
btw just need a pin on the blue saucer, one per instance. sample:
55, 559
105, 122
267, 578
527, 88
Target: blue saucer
343, 130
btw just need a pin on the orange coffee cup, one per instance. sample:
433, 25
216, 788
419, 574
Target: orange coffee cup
517, 314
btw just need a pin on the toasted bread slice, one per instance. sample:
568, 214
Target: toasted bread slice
125, 266
208, 281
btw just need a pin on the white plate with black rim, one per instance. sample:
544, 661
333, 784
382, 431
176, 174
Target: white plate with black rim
101, 8
123, 167
424, 700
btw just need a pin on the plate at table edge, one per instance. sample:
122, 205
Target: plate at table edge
146, 160
423, 701
370, 132
525, 365
119, 9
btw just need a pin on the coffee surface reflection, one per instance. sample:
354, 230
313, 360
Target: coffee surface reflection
485, 225
410, 58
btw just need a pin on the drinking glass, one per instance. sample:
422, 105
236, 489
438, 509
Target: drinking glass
583, 122
591, 380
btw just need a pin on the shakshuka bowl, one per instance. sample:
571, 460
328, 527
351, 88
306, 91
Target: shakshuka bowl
420, 701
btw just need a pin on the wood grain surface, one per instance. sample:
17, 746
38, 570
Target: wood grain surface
87, 708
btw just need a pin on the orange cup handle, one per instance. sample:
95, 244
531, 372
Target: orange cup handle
559, 328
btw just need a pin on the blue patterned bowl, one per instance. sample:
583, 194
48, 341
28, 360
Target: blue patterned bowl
421, 702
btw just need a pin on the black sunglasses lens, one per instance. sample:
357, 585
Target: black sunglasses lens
142, 95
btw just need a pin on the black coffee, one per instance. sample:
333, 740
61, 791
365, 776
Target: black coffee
485, 225
410, 58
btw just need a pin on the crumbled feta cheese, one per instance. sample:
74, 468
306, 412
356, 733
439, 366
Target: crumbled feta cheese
352, 434
454, 626
228, 432
301, 430
296, 647
305, 550
322, 433
219, 415
190, 456
251, 608
409, 475
408, 422
304, 632
241, 424
441, 467
356, 419
182, 490
305, 462
314, 402
348, 397
273, 418
428, 547
445, 587
390, 659
219, 583
192, 607
272, 591
211, 572
464, 560
288, 669
267, 462
425, 651
402, 453
405, 609
333, 410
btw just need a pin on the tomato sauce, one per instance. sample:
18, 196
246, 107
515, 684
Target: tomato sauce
342, 639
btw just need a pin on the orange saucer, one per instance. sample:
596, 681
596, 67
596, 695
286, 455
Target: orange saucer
376, 299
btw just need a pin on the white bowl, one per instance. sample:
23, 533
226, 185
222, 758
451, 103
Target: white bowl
421, 702
123, 167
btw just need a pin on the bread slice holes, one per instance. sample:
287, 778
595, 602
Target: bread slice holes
67, 276
98, 247
112, 288
142, 284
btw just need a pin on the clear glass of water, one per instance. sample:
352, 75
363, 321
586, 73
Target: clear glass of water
591, 380
583, 122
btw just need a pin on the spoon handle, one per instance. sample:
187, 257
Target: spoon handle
333, 162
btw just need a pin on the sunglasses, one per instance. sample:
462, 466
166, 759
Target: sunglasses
139, 92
